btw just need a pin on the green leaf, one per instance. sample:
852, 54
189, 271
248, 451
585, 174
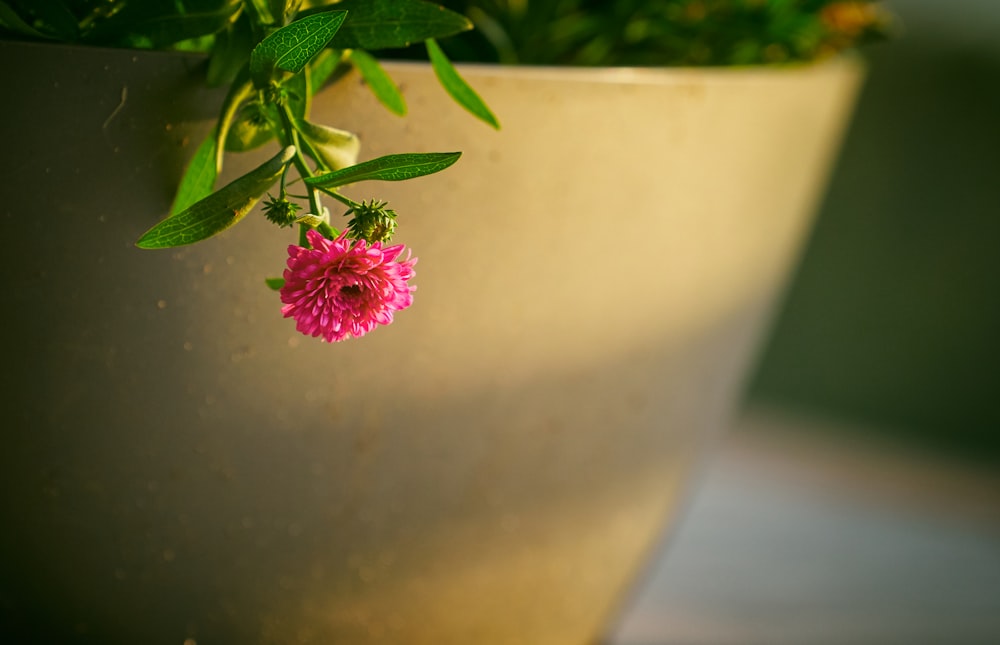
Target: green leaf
456, 86
257, 122
218, 211
230, 51
388, 168
252, 127
199, 178
381, 85
239, 92
334, 149
160, 24
292, 47
310, 220
274, 283
386, 24
322, 68
297, 91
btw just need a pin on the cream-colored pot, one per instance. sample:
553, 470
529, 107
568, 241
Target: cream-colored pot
494, 467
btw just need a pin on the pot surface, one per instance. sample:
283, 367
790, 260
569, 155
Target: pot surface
496, 465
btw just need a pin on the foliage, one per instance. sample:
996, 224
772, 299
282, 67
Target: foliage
275, 56
664, 32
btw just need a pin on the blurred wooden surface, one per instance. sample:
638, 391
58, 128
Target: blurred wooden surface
801, 535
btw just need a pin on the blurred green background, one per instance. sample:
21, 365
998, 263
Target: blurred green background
893, 321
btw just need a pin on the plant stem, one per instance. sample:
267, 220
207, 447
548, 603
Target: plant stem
300, 161
343, 199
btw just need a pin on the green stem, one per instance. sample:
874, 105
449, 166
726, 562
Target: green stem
315, 205
284, 173
304, 142
343, 199
300, 161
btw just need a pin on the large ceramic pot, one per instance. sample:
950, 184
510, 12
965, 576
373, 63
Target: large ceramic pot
495, 466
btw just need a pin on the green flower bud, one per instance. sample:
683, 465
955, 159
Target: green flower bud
280, 211
372, 221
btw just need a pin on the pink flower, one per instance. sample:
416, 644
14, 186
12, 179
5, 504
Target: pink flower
342, 288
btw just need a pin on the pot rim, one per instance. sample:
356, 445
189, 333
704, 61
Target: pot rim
642, 75
555, 73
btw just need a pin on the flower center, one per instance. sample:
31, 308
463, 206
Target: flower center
350, 291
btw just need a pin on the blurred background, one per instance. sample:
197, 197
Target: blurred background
857, 500
894, 318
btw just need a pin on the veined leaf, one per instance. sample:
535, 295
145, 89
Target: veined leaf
388, 168
381, 85
385, 24
293, 46
456, 86
199, 178
218, 211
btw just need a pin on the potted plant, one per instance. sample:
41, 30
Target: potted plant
494, 466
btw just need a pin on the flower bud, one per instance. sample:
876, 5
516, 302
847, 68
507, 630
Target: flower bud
280, 211
372, 221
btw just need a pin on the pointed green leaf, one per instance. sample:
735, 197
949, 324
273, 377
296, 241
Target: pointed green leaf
218, 211
293, 46
322, 68
230, 52
199, 178
239, 92
381, 85
388, 168
386, 24
274, 283
456, 86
